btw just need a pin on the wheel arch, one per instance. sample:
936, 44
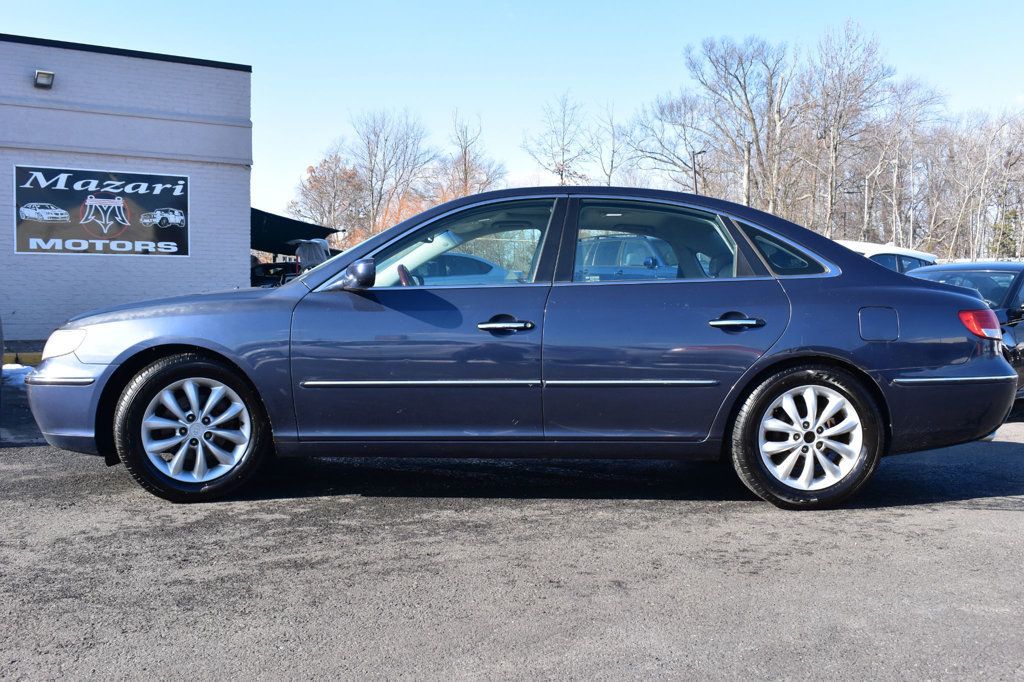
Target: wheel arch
753, 379
132, 365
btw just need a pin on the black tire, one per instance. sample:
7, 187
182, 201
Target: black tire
130, 409
163, 222
746, 454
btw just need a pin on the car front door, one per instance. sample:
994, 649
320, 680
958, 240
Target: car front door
653, 358
433, 359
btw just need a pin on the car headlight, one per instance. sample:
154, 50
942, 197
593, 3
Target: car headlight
62, 342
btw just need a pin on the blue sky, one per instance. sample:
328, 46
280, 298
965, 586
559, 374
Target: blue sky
315, 64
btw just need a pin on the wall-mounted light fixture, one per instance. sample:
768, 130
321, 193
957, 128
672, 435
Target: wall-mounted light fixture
44, 79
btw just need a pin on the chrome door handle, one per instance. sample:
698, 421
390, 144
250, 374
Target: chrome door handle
736, 323
514, 326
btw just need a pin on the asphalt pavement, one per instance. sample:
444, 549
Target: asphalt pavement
434, 569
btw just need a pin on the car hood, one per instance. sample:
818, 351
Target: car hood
176, 305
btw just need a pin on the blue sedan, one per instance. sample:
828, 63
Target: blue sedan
736, 335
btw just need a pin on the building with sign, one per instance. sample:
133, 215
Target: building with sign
124, 175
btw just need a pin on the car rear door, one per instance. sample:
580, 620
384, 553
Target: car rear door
654, 358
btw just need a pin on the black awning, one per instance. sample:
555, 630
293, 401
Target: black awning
271, 232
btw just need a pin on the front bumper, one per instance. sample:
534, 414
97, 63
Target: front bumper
64, 394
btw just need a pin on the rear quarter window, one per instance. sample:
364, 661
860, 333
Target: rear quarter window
784, 259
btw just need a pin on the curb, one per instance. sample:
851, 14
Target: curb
33, 358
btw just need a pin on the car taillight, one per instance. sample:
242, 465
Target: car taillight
983, 323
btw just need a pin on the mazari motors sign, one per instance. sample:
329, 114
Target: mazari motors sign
63, 210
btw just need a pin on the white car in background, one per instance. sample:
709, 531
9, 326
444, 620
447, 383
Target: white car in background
43, 213
893, 257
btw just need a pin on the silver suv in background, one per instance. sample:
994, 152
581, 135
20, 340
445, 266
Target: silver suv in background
164, 217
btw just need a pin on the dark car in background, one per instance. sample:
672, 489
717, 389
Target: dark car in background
273, 274
746, 337
460, 268
1001, 286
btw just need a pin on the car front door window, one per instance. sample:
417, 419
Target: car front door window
492, 245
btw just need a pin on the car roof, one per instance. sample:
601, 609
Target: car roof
1003, 266
872, 249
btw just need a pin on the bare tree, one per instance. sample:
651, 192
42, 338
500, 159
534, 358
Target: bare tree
609, 147
844, 86
331, 194
668, 136
392, 158
748, 88
562, 147
466, 169
828, 138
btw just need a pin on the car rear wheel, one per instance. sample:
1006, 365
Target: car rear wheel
807, 437
189, 429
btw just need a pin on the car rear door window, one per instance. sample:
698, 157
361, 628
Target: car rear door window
631, 240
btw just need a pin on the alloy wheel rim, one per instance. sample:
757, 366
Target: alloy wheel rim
196, 430
811, 437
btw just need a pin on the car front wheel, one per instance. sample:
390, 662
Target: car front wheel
807, 437
189, 429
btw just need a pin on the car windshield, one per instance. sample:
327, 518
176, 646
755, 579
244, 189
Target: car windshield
992, 285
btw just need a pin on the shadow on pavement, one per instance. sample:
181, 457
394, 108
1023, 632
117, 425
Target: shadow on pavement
499, 478
975, 471
1017, 413
17, 427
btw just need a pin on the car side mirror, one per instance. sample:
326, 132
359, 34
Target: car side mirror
1013, 315
358, 276
650, 263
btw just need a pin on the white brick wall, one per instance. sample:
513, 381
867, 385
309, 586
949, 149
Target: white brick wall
110, 112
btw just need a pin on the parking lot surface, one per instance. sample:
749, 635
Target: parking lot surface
476, 569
